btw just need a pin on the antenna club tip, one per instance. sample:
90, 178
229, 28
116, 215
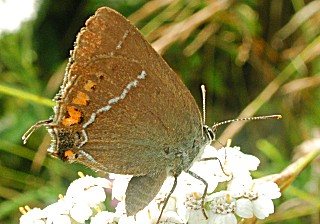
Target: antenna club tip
24, 138
278, 116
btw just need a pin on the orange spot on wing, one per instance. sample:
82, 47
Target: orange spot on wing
90, 85
81, 99
69, 154
73, 117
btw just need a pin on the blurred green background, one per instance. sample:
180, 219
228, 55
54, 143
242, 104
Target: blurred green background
255, 58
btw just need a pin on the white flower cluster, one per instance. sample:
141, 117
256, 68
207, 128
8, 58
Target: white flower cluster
240, 197
77, 206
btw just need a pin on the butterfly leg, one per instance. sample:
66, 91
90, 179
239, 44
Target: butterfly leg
204, 191
215, 158
167, 198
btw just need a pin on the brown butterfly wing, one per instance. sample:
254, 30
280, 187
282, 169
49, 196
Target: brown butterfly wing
129, 110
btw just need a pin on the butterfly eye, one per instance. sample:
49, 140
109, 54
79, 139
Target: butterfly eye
209, 132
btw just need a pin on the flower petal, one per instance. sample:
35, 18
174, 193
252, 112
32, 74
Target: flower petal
244, 208
262, 208
80, 212
119, 185
103, 217
224, 219
35, 216
268, 190
196, 216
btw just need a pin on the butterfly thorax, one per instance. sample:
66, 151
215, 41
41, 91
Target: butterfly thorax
182, 159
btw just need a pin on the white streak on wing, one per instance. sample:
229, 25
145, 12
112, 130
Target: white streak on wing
114, 100
85, 136
87, 155
134, 83
90, 121
90, 161
122, 40
104, 109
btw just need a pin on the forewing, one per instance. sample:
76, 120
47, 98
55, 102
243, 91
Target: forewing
128, 105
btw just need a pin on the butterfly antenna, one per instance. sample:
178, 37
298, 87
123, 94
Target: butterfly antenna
203, 91
276, 116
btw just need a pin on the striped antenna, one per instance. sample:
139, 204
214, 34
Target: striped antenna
203, 91
215, 126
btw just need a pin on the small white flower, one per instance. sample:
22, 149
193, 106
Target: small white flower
145, 217
258, 195
84, 194
228, 218
235, 162
102, 182
119, 185
262, 204
262, 208
224, 165
211, 168
58, 212
186, 198
208, 170
238, 184
267, 189
172, 218
80, 184
173, 212
104, 217
62, 206
121, 209
61, 219
244, 208
33, 216
127, 220
149, 214
88, 190
222, 208
93, 196
196, 216
80, 212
